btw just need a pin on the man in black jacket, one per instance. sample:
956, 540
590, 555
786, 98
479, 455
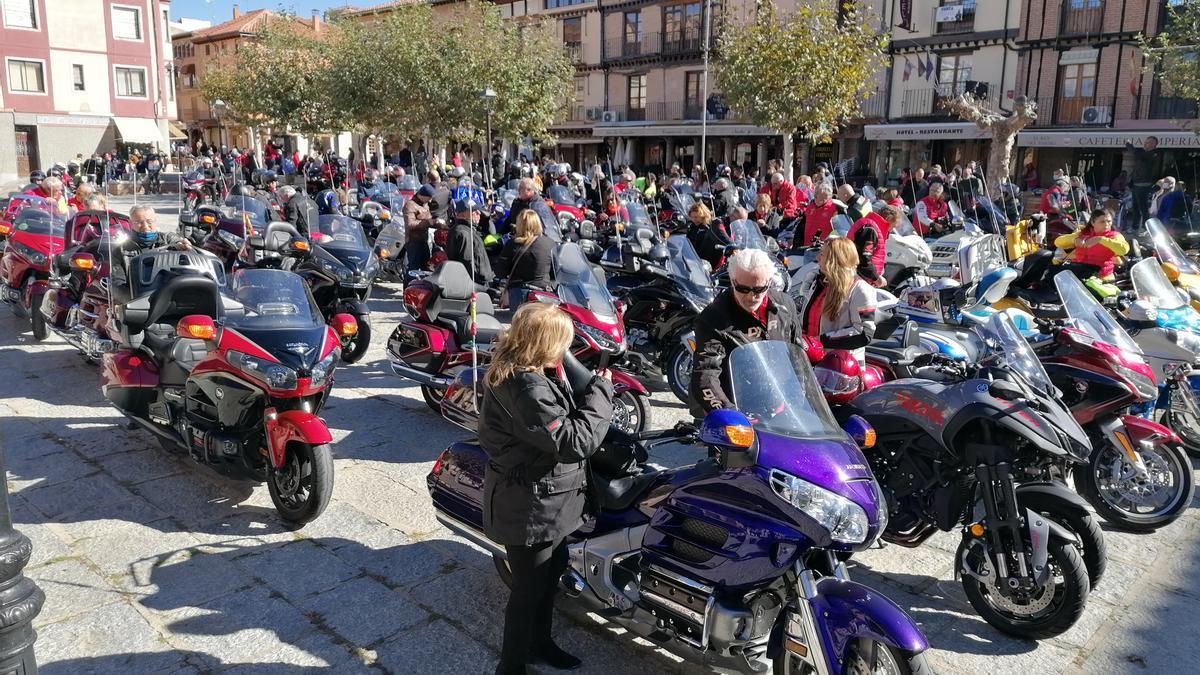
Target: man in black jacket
298, 209
144, 237
527, 198
465, 245
439, 204
747, 312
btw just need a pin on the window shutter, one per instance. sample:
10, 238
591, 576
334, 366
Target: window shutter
19, 13
126, 24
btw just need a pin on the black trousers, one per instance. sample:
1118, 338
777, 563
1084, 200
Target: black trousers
536, 570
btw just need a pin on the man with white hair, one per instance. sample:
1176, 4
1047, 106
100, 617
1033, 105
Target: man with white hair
298, 209
783, 195
748, 311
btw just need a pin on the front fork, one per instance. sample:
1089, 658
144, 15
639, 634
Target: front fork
802, 637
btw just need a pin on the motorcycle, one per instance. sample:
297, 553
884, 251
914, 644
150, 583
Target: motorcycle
37, 237
945, 458
1179, 268
340, 271
17, 204
733, 562
745, 234
237, 381
198, 189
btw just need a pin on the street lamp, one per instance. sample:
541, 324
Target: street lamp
218, 107
489, 101
22, 599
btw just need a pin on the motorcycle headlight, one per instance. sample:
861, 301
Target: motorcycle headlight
274, 375
324, 368
603, 339
335, 268
31, 254
1144, 384
845, 520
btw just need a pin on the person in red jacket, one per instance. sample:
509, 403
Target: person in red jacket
818, 216
870, 235
932, 212
783, 195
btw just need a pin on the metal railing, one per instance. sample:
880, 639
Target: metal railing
1081, 21
665, 43
876, 106
926, 102
679, 110
574, 51
964, 25
1173, 108
1053, 111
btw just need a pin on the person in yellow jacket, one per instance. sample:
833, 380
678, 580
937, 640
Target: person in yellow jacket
1094, 248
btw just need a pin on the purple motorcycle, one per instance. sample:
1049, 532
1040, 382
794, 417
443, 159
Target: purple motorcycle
733, 562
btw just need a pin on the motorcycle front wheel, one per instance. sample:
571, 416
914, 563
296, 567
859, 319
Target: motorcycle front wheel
1045, 613
631, 412
679, 372
37, 319
864, 657
354, 347
1133, 501
303, 487
1086, 527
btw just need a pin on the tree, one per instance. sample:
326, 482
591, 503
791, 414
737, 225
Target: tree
1004, 128
804, 72
1173, 52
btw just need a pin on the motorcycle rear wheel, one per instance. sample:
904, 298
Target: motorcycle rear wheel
1068, 584
354, 348
679, 372
303, 488
1165, 462
864, 657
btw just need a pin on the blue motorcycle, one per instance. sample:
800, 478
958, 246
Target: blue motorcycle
735, 562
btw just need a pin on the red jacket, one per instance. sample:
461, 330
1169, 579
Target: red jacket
870, 235
818, 221
1052, 200
782, 197
933, 210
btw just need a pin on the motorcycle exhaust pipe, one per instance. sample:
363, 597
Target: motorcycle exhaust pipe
572, 584
420, 376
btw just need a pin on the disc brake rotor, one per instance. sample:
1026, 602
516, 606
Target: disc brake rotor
1037, 602
1143, 489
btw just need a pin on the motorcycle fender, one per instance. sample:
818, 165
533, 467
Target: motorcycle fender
846, 610
126, 369
293, 425
1039, 528
623, 382
1041, 495
35, 287
1141, 429
355, 307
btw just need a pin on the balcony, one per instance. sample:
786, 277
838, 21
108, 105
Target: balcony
1171, 108
1086, 19
678, 111
1074, 112
966, 24
574, 51
918, 103
874, 107
673, 43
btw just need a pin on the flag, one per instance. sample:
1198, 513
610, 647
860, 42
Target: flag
908, 67
1134, 84
920, 67
928, 66
906, 7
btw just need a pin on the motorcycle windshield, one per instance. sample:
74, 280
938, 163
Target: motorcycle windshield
559, 194
256, 210
1167, 249
506, 198
745, 234
34, 221
869, 193
772, 383
1151, 284
578, 285
682, 198
687, 270
271, 299
381, 191
956, 211
549, 220
904, 227
340, 232
638, 215
1013, 352
1089, 317
409, 183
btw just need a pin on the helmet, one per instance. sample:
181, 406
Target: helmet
241, 190
1143, 310
327, 202
840, 376
556, 171
370, 177
263, 177
207, 162
813, 349
476, 178
464, 205
457, 172
37, 176
720, 185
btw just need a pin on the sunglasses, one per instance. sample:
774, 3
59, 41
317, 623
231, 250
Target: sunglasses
751, 290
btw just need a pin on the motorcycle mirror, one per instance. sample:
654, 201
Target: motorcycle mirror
861, 431
196, 327
728, 429
1005, 390
1172, 271
344, 325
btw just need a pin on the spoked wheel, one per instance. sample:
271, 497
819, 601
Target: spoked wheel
864, 657
1133, 499
630, 412
433, 397
1035, 614
355, 346
679, 372
302, 488
36, 318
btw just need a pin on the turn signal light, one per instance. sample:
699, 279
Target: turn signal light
740, 436
869, 438
385, 253
208, 218
300, 245
5, 229
83, 262
385, 215
200, 332
976, 529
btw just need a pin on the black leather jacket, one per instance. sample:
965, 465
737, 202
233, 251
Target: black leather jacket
538, 438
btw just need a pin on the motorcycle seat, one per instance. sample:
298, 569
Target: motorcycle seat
1044, 302
487, 327
278, 234
618, 494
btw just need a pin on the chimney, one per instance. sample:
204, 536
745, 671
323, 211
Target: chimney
316, 21
236, 12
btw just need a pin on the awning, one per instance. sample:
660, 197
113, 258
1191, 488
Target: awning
176, 132
576, 140
925, 132
138, 130
629, 129
1105, 139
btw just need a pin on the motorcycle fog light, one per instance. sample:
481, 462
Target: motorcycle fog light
845, 520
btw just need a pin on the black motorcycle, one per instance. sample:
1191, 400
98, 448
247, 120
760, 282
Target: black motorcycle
664, 286
340, 270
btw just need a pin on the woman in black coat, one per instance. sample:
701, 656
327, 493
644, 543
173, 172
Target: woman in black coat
527, 260
538, 437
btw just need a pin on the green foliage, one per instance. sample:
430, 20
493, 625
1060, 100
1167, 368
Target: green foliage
1173, 52
804, 72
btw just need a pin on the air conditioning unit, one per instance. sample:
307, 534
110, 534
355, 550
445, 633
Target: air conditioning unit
592, 114
1097, 114
609, 116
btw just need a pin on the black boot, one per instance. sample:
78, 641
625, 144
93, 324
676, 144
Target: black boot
556, 657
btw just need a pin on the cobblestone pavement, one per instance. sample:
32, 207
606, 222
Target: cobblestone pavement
152, 564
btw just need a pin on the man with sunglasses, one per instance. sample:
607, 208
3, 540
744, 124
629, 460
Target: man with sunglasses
748, 311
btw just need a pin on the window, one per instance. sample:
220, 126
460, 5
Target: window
170, 89
166, 26
682, 25
1082, 17
26, 77
77, 73
572, 30
958, 20
131, 82
1079, 80
20, 14
580, 88
633, 27
954, 71
692, 92
127, 23
554, 4
637, 92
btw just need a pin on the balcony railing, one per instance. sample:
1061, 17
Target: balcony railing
665, 43
679, 110
1074, 112
1172, 108
926, 102
964, 25
876, 106
574, 51
1081, 21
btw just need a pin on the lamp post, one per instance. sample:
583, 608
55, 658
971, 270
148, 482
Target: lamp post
20, 599
218, 107
489, 101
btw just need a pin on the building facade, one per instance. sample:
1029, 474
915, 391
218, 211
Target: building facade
82, 77
1081, 63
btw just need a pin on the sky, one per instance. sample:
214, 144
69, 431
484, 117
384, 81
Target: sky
219, 11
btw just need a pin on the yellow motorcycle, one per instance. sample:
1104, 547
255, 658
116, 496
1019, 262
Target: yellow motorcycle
1179, 268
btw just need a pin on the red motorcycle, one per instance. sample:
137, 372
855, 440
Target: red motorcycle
25, 267
16, 204
76, 308
197, 189
234, 381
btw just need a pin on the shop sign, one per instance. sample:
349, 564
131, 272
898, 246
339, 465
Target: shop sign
925, 132
1115, 141
72, 121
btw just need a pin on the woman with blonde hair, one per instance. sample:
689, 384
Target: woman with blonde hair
538, 436
838, 305
527, 260
708, 235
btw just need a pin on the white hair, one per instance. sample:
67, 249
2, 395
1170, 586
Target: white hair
142, 208
287, 191
750, 260
824, 188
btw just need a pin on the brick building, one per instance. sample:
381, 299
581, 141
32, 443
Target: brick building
82, 77
1080, 61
